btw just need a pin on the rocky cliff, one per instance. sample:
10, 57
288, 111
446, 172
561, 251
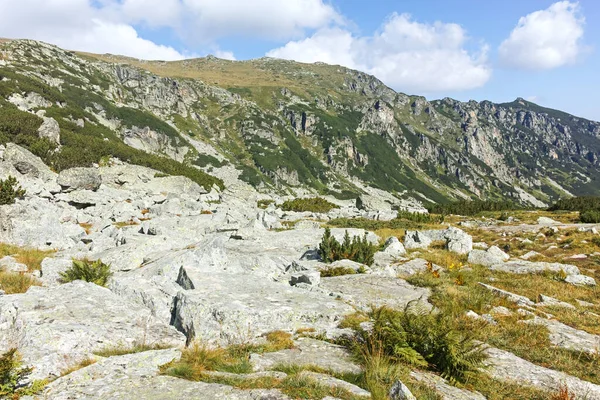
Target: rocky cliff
291, 128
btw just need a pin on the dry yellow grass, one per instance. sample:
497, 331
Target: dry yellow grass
14, 282
25, 255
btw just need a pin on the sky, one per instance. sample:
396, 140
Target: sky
544, 51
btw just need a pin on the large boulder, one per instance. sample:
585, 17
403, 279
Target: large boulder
50, 130
27, 163
416, 240
79, 178
489, 257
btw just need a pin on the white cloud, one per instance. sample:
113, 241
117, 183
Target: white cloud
77, 25
405, 54
225, 55
545, 39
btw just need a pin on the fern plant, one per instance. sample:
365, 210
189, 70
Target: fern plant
90, 271
424, 338
10, 190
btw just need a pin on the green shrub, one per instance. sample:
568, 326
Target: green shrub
90, 271
472, 207
9, 190
264, 203
590, 217
314, 204
12, 374
355, 249
420, 218
422, 338
581, 204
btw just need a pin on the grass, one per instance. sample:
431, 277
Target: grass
198, 358
120, 350
85, 363
530, 342
26, 255
14, 282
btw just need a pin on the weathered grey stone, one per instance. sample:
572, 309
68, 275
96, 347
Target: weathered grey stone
17, 155
79, 178
505, 366
394, 248
52, 268
416, 240
50, 130
308, 352
580, 280
564, 336
487, 258
547, 221
399, 391
528, 267
54, 328
9, 264
444, 389
552, 302
329, 381
515, 298
312, 278
364, 291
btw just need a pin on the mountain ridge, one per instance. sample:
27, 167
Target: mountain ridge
292, 127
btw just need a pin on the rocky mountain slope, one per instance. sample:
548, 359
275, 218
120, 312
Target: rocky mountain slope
287, 127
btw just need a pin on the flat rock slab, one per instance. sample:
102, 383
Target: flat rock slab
308, 352
95, 379
55, 328
564, 336
444, 389
365, 291
233, 308
329, 381
505, 366
528, 267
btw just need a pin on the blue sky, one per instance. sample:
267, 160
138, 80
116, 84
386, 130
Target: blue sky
545, 51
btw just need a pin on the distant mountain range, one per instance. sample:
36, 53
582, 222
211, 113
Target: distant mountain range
287, 126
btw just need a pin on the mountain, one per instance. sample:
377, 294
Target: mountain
289, 127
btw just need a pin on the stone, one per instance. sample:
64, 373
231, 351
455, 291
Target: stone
329, 381
55, 328
547, 221
580, 280
566, 337
18, 156
458, 241
487, 258
347, 264
416, 240
308, 352
528, 267
443, 388
79, 178
50, 130
529, 255
505, 366
51, 269
500, 311
394, 248
312, 278
515, 298
552, 302
364, 291
399, 391
9, 264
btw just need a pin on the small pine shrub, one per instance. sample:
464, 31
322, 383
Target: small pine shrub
472, 207
355, 249
12, 374
10, 190
90, 271
590, 217
264, 203
421, 218
314, 204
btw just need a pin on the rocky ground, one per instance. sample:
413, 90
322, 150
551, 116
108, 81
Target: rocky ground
194, 266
